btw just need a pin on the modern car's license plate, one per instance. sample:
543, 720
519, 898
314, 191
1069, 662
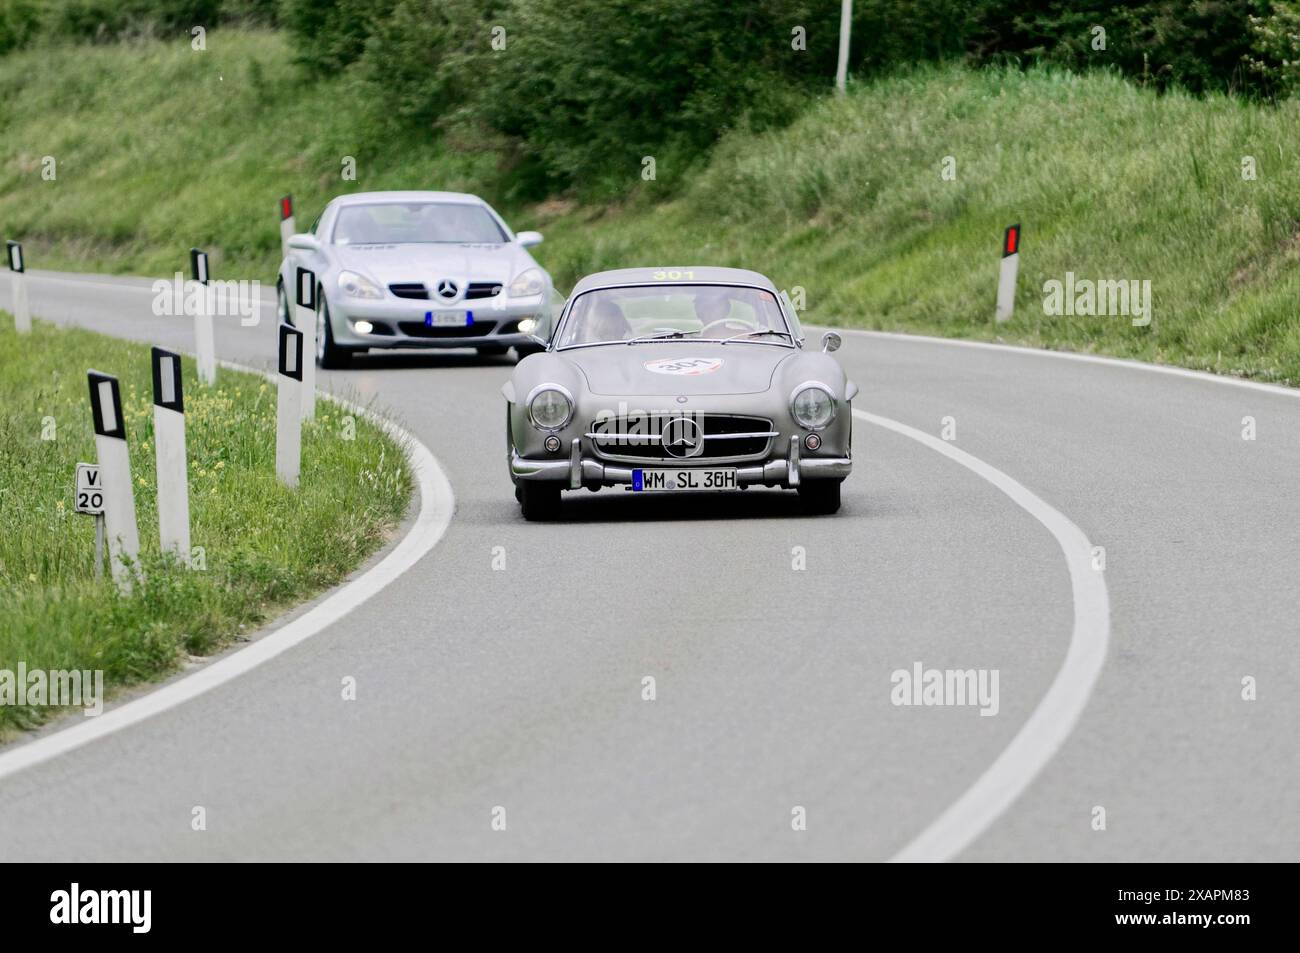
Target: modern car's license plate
448, 319
693, 479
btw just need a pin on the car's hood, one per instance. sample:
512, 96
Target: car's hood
678, 368
427, 263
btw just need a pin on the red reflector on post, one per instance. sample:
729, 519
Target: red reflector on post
1011, 241
286, 207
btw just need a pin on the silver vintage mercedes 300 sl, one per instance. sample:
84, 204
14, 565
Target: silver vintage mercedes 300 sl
678, 379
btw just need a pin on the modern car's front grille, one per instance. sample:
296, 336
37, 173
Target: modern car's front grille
410, 290
726, 438
474, 291
418, 329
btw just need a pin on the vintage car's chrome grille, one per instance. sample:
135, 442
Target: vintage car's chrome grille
410, 290
726, 438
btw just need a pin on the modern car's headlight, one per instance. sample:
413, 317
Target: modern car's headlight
550, 407
812, 406
358, 286
528, 283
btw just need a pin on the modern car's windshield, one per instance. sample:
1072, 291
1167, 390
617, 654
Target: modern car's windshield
674, 312
393, 223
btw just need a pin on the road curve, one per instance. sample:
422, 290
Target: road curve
521, 688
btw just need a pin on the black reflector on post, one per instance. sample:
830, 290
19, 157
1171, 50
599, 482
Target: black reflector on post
106, 405
1011, 240
167, 380
306, 289
290, 352
199, 265
16, 257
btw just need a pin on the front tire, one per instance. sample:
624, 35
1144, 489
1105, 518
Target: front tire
328, 354
539, 499
820, 497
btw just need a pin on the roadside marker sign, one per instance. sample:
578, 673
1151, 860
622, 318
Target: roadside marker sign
170, 455
88, 497
288, 418
205, 348
1007, 274
115, 474
90, 490
18, 278
305, 320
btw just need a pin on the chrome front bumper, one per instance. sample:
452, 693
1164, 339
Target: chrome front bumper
578, 471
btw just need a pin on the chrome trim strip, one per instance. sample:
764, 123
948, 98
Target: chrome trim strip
656, 438
575, 464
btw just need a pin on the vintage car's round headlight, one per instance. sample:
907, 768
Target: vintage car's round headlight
549, 407
812, 406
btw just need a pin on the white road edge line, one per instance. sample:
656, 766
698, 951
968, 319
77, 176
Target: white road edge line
1277, 390
1056, 714
437, 503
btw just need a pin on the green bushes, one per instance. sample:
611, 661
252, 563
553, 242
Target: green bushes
23, 22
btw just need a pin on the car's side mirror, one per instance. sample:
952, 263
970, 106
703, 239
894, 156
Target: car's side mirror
304, 242
529, 239
831, 342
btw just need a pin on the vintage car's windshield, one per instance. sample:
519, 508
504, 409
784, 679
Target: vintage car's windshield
392, 223
674, 312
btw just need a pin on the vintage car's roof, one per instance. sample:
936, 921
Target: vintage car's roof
675, 274
371, 198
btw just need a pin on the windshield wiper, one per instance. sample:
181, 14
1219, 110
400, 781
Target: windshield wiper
659, 337
751, 334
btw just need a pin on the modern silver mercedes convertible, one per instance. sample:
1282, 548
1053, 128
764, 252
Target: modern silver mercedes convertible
678, 379
416, 269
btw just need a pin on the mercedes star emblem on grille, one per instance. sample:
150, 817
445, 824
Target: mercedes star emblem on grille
682, 438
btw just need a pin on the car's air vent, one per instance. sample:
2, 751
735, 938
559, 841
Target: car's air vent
411, 290
482, 289
417, 329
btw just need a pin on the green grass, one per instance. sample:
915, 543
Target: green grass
1108, 180
160, 148
265, 547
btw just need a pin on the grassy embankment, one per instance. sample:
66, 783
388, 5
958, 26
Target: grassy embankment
265, 547
1109, 180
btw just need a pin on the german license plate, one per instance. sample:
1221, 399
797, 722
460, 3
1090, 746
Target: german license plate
449, 319
723, 478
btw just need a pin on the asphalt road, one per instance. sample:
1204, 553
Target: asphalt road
522, 688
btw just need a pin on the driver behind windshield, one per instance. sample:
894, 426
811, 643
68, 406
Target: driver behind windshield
711, 307
605, 323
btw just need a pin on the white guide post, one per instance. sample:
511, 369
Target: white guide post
1007, 274
169, 448
287, 227
205, 348
18, 277
288, 421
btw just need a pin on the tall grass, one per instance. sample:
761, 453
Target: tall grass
264, 546
158, 148
1109, 181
